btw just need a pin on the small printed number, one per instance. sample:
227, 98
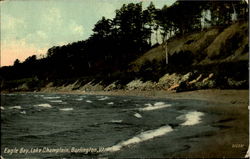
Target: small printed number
237, 145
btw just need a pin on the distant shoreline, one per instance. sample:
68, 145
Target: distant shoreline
204, 94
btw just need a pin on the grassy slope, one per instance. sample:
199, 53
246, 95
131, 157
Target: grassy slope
215, 45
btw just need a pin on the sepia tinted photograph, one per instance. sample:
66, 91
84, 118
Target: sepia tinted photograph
124, 79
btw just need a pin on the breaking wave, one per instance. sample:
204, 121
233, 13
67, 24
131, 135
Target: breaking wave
79, 99
23, 112
56, 101
157, 105
66, 109
15, 107
144, 136
104, 98
137, 115
191, 118
51, 97
116, 121
45, 105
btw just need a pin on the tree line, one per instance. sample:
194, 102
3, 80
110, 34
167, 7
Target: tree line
116, 42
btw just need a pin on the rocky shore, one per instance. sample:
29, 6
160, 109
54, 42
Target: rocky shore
170, 82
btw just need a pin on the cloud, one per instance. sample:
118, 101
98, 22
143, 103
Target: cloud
18, 49
76, 29
105, 8
41, 34
38, 37
53, 16
56, 27
9, 22
52, 19
10, 25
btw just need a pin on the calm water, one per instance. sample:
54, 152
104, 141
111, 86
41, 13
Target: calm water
69, 125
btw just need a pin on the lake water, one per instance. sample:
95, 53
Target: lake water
41, 125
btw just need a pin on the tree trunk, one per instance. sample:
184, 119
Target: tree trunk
166, 51
156, 36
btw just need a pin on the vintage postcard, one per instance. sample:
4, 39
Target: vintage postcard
124, 79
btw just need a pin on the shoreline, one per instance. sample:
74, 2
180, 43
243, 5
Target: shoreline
203, 94
120, 91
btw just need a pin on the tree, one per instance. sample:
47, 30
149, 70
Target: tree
221, 13
149, 16
163, 19
53, 51
103, 27
224, 13
17, 62
180, 18
130, 25
30, 60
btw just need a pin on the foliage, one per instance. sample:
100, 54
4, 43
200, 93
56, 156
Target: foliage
116, 42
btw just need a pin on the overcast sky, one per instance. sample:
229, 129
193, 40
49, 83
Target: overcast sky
32, 26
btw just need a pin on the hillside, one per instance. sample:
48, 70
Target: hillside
208, 48
215, 45
213, 58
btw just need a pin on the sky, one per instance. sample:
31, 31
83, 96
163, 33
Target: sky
31, 27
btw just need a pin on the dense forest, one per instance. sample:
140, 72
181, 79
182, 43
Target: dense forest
116, 42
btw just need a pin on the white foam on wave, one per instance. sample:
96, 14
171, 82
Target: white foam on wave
51, 97
56, 101
23, 112
137, 115
104, 98
110, 103
79, 99
144, 136
40, 95
15, 107
88, 101
157, 105
116, 121
2, 108
191, 118
66, 109
45, 105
